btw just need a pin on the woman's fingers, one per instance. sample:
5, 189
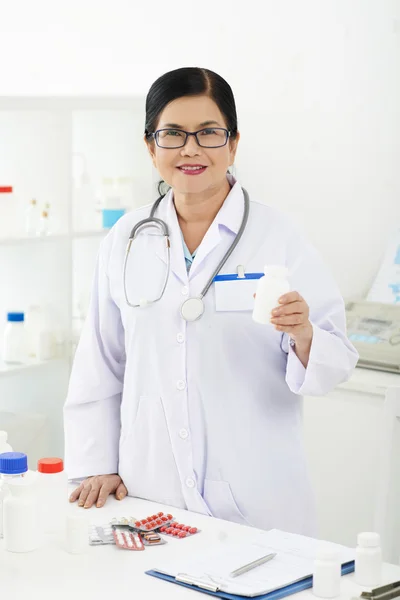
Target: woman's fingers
121, 492
76, 493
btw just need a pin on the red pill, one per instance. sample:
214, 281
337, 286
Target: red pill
160, 514
193, 530
148, 526
159, 522
164, 519
176, 532
182, 534
178, 526
138, 523
170, 516
163, 529
185, 528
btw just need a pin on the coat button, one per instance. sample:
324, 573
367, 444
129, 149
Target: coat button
183, 433
180, 385
185, 290
180, 338
190, 482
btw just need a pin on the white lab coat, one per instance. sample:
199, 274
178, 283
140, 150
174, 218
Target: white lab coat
204, 415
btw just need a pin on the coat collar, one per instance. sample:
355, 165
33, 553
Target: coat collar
229, 217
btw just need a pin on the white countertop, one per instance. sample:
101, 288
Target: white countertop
108, 572
369, 381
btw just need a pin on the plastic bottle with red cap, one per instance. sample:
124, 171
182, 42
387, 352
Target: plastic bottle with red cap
53, 492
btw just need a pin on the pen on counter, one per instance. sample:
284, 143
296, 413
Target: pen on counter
252, 565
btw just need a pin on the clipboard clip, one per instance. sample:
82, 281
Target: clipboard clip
384, 592
200, 583
240, 272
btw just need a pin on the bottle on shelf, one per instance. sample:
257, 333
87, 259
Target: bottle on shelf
14, 339
43, 227
4, 446
40, 334
32, 215
113, 208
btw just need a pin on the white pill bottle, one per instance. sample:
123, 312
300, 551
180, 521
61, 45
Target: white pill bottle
269, 289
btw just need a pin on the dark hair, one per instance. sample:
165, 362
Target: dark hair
189, 81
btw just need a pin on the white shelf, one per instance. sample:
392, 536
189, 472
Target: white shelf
30, 239
11, 369
86, 234
12, 241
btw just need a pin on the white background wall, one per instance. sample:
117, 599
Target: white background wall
316, 82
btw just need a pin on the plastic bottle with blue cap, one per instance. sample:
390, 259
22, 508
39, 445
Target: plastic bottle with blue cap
20, 503
15, 340
5, 472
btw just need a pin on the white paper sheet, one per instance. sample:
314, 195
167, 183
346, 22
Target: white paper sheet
294, 562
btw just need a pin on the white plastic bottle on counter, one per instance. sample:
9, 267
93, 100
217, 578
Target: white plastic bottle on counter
20, 504
368, 567
13, 465
14, 340
77, 534
327, 574
269, 289
53, 493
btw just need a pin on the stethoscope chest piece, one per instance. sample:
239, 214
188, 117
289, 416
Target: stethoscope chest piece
192, 309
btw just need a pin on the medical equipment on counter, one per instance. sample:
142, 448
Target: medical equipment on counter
383, 592
15, 339
368, 565
53, 493
374, 330
327, 574
269, 289
20, 504
192, 308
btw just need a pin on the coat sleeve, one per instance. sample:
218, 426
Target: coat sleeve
332, 356
92, 408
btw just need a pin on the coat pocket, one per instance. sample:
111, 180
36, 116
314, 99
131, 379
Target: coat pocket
219, 499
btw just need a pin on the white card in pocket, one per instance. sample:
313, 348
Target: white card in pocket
234, 293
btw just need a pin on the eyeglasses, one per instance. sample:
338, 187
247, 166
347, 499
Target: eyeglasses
211, 137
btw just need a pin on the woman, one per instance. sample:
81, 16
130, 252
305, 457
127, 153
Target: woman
203, 415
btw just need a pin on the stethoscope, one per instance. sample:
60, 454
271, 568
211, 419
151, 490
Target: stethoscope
192, 308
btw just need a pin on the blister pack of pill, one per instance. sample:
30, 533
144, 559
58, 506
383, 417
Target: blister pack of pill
152, 538
126, 539
101, 535
179, 530
153, 522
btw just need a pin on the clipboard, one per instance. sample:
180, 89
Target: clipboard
283, 592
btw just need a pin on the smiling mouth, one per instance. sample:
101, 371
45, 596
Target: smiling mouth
192, 169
